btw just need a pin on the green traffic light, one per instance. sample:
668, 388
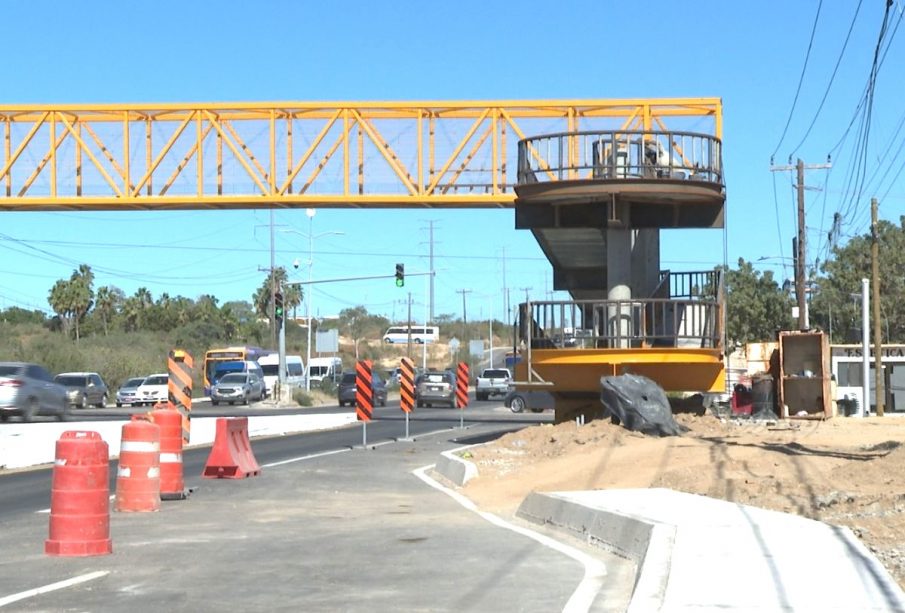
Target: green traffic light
400, 282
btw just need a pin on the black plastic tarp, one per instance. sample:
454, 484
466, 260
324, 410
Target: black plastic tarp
639, 404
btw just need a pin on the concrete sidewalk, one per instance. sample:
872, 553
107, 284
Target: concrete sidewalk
696, 553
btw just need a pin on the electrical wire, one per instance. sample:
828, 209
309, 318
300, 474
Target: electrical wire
800, 79
826, 93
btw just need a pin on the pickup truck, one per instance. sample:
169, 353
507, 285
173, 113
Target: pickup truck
493, 382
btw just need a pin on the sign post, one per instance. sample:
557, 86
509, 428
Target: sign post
364, 401
407, 390
462, 391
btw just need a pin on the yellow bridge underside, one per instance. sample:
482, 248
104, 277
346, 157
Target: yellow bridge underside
291, 154
580, 370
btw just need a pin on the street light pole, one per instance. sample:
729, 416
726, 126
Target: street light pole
308, 290
310, 213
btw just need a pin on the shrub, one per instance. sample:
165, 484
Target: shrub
302, 398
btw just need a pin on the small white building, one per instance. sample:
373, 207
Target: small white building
847, 364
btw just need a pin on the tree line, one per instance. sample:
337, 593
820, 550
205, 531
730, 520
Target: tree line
758, 305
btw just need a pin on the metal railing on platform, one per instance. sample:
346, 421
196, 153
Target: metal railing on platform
621, 154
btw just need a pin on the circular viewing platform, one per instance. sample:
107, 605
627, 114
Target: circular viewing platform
652, 179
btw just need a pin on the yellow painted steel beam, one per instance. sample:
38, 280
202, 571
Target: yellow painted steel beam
579, 370
444, 154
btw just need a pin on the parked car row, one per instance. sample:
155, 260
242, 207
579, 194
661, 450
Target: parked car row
29, 390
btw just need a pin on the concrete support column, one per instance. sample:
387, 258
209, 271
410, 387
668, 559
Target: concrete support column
619, 279
645, 261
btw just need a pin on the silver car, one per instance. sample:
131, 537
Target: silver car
238, 387
128, 391
28, 390
84, 388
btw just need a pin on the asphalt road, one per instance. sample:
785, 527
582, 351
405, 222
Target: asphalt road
29, 490
329, 525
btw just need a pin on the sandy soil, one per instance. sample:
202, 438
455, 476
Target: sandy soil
843, 471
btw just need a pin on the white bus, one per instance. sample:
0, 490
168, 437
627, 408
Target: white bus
420, 334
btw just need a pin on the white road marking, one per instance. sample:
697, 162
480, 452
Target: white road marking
305, 457
594, 570
59, 585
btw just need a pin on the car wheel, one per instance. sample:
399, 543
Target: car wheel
517, 404
83, 402
215, 402
383, 402
3, 416
103, 403
420, 404
119, 404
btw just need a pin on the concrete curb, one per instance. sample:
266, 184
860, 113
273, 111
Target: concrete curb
454, 468
648, 544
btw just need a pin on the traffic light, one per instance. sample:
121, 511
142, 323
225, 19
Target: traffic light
400, 275
278, 307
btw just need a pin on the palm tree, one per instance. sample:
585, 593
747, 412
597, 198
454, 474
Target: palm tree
61, 303
81, 292
108, 299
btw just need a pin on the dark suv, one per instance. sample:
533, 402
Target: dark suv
345, 391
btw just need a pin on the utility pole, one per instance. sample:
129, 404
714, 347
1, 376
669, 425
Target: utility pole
430, 229
801, 257
464, 315
271, 314
526, 290
800, 291
408, 350
879, 387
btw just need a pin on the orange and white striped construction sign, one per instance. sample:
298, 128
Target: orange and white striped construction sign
179, 387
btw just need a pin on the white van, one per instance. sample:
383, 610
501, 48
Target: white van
295, 370
324, 368
419, 334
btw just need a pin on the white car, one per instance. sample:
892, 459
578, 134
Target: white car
154, 389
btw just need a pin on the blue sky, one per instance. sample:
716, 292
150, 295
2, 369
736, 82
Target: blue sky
749, 54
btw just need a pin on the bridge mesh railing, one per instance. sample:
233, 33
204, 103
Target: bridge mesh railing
620, 155
690, 317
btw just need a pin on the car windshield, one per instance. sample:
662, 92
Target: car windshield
435, 377
348, 377
496, 374
156, 381
271, 370
71, 380
134, 382
234, 378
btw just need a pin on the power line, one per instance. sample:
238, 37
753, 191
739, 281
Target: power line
800, 80
826, 93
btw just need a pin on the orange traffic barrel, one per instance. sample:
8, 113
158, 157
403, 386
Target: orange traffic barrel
138, 476
172, 485
80, 497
